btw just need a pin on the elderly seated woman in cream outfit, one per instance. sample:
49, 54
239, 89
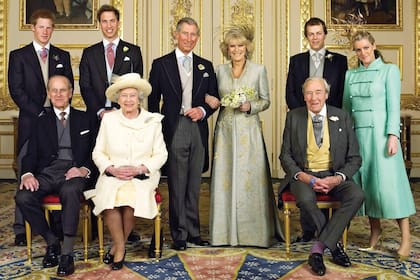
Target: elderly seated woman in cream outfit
129, 153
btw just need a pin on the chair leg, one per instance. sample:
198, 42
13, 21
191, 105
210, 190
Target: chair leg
287, 229
86, 214
28, 241
157, 234
101, 237
345, 238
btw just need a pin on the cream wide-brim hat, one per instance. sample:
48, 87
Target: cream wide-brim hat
130, 80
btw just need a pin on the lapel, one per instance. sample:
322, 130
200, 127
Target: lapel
302, 122
52, 131
327, 65
305, 65
31, 58
99, 59
74, 124
333, 127
198, 74
53, 61
170, 66
119, 57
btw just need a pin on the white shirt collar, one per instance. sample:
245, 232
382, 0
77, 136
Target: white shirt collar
321, 51
115, 42
58, 111
323, 112
38, 47
179, 54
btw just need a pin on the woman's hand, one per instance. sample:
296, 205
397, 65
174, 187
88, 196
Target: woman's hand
212, 101
245, 107
392, 144
126, 172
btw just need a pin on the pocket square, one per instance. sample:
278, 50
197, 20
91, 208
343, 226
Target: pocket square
59, 66
126, 58
205, 75
84, 132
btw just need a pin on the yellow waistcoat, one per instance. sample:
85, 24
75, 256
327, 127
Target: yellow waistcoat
318, 159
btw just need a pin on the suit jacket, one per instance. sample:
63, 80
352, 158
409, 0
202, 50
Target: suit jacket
166, 83
335, 69
26, 83
93, 76
43, 143
344, 147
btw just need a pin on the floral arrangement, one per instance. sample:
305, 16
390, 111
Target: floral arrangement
237, 97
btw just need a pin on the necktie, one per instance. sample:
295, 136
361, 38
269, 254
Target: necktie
43, 54
186, 63
110, 55
317, 125
317, 59
63, 118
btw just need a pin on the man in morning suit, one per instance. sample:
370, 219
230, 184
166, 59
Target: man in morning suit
29, 70
101, 62
320, 154
319, 62
183, 79
58, 161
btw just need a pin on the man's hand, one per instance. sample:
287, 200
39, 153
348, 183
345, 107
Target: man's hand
29, 182
212, 101
76, 172
326, 184
101, 114
195, 114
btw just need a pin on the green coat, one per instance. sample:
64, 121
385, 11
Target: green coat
372, 96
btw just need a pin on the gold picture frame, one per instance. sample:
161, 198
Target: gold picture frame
79, 14
373, 14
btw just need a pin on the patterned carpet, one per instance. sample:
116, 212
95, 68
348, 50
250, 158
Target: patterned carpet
215, 262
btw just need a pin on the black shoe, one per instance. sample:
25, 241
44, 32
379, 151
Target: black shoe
20, 239
197, 241
133, 237
66, 266
180, 245
108, 258
51, 256
118, 265
340, 257
152, 253
306, 237
316, 263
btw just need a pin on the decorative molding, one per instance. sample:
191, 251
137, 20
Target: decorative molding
417, 50
180, 9
119, 4
410, 102
242, 12
305, 14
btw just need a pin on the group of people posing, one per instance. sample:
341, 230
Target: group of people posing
114, 152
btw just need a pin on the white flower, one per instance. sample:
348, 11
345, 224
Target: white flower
329, 56
201, 67
125, 49
334, 118
237, 97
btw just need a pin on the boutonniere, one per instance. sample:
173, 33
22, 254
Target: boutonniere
201, 67
125, 49
56, 57
329, 56
126, 58
334, 118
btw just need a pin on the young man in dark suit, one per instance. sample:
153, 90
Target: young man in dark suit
320, 154
319, 62
182, 79
101, 62
29, 70
59, 162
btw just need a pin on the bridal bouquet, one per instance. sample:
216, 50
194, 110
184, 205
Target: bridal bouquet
237, 97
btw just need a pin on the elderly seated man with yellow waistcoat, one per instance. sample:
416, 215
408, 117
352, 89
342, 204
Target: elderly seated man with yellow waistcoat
320, 154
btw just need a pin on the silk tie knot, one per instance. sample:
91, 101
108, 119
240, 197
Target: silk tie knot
44, 54
186, 63
110, 55
317, 58
63, 118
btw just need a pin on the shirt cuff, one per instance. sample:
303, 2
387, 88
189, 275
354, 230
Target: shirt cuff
88, 174
341, 174
27, 173
204, 112
296, 176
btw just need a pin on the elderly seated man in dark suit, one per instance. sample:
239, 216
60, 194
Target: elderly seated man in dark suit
320, 154
58, 161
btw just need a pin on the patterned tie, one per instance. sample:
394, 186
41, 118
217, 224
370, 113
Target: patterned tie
317, 125
110, 55
63, 119
317, 58
44, 54
186, 63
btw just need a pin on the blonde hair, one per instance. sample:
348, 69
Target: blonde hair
243, 33
363, 34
